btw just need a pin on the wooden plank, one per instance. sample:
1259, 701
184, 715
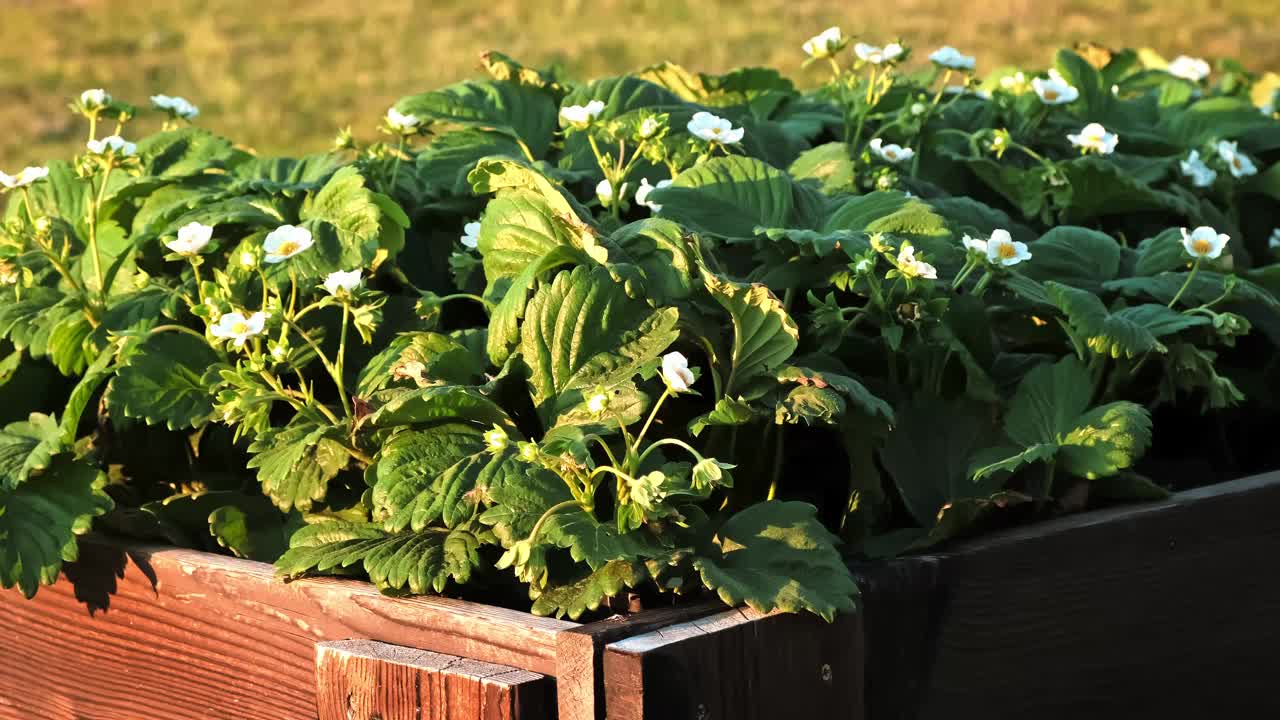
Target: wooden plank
1171, 609
738, 665
899, 608
580, 654
221, 634
369, 680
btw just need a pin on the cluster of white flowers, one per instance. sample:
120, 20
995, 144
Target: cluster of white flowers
192, 238
1201, 174
951, 58
1000, 248
1188, 68
26, 177
1055, 90
1095, 138
1204, 242
877, 55
713, 128
178, 106
890, 152
113, 144
642, 194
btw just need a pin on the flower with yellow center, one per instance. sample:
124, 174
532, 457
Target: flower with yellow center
1237, 162
286, 241
890, 152
910, 267
1055, 90
1002, 249
1204, 242
237, 328
713, 128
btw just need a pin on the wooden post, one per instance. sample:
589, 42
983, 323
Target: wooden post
580, 655
739, 665
369, 680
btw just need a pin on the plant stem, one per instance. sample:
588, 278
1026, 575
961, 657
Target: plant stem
333, 371
537, 527
669, 441
778, 448
195, 269
93, 226
1190, 276
635, 447
176, 328
341, 360
488, 306
395, 167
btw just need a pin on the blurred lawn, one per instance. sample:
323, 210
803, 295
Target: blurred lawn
281, 76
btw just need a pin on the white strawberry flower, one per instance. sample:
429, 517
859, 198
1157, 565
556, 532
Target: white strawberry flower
649, 127
339, 283
401, 122
1239, 163
192, 238
1015, 83
470, 235
1055, 90
1095, 138
179, 106
1201, 174
951, 58
1204, 242
975, 244
95, 98
909, 266
1002, 249
1274, 241
597, 403
237, 328
284, 242
1188, 68
28, 176
112, 144
581, 115
824, 44
642, 193
676, 372
875, 54
248, 259
713, 128
890, 152
604, 192
496, 439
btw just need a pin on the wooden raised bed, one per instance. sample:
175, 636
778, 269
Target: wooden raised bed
1168, 609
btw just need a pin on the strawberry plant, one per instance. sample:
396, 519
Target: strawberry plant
668, 332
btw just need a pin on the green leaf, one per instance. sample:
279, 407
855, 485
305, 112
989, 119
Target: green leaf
727, 412
435, 403
1128, 332
518, 505
1106, 440
163, 381
587, 593
764, 335
777, 556
728, 196
829, 164
360, 216
582, 331
885, 212
423, 561
446, 163
824, 396
443, 359
253, 528
27, 447
40, 519
517, 111
295, 463
595, 543
929, 460
658, 247
1097, 187
1074, 256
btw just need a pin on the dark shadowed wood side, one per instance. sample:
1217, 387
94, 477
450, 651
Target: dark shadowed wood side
580, 654
738, 665
899, 609
1170, 609
369, 680
182, 634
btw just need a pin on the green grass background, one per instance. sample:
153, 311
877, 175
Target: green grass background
281, 76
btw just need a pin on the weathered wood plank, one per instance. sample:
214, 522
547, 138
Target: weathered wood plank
220, 634
580, 654
738, 665
1170, 608
368, 680
899, 607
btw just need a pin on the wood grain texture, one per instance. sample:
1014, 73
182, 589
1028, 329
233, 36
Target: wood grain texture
165, 634
369, 680
580, 654
1169, 609
738, 665
899, 608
